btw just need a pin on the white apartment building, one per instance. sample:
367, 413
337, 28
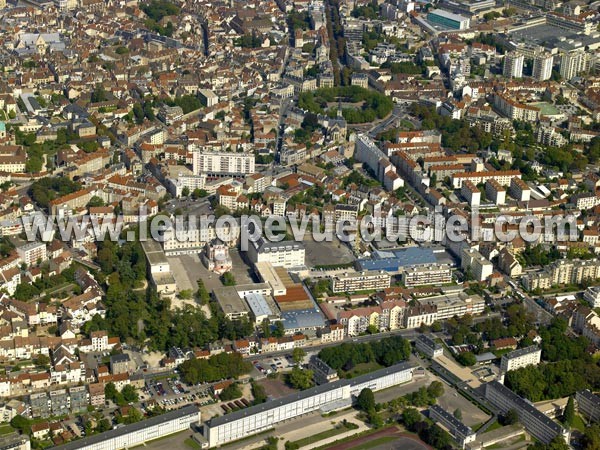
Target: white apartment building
574, 62
480, 267
416, 316
542, 66
426, 275
223, 163
515, 110
520, 190
450, 305
495, 192
521, 357
471, 193
535, 422
330, 396
503, 177
592, 296
513, 65
563, 272
32, 252
428, 346
360, 281
130, 436
279, 254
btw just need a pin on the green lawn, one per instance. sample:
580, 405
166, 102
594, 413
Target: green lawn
192, 444
547, 109
407, 124
6, 429
578, 423
363, 368
499, 353
374, 443
494, 426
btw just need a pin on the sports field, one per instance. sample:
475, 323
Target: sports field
546, 109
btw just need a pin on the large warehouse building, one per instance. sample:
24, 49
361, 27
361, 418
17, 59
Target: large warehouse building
136, 434
329, 396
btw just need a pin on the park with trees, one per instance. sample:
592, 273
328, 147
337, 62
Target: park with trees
368, 106
386, 352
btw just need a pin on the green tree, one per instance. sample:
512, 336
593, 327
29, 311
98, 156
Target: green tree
202, 295
266, 328
279, 330
591, 438
298, 355
199, 193
185, 294
99, 94
558, 443
130, 394
103, 425
458, 414
95, 201
511, 417
410, 417
217, 367
228, 279
258, 392
185, 192
231, 392
436, 389
569, 414
374, 418
21, 423
42, 361
138, 112
466, 358
110, 390
365, 400
300, 379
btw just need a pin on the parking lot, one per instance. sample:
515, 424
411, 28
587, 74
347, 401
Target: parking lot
326, 253
172, 393
241, 271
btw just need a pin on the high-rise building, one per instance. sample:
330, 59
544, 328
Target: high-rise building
513, 65
542, 66
575, 62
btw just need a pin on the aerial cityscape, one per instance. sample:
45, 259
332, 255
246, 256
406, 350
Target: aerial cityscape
300, 224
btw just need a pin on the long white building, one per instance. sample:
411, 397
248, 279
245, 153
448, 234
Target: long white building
192, 239
136, 434
521, 357
329, 396
360, 281
535, 422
